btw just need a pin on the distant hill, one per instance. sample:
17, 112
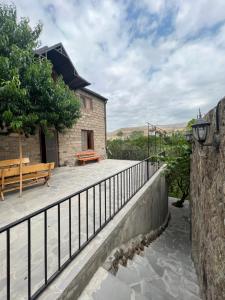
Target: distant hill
126, 132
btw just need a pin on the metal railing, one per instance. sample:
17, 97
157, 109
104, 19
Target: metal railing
58, 232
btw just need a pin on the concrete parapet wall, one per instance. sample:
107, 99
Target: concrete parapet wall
145, 212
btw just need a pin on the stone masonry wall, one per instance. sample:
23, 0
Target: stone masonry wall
70, 141
208, 211
9, 147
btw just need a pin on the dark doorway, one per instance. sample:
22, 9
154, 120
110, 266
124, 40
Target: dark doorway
49, 147
87, 140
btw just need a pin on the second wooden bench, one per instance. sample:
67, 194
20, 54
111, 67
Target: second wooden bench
89, 155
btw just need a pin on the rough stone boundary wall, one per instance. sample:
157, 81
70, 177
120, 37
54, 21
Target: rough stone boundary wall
208, 211
145, 212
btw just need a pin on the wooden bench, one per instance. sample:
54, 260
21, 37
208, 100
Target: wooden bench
88, 155
13, 162
11, 178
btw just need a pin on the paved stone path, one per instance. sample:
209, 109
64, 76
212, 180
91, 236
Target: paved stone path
164, 271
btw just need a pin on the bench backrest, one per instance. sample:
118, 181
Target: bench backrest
88, 153
13, 162
15, 171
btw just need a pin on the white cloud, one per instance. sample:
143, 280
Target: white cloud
194, 16
146, 74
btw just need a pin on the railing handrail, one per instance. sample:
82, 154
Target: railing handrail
43, 209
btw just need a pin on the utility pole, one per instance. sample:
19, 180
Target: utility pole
148, 154
155, 142
160, 142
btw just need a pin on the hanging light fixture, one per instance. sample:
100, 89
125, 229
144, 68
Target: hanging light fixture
201, 130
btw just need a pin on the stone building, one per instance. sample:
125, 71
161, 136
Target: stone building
88, 133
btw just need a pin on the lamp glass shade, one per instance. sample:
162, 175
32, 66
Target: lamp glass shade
200, 130
202, 133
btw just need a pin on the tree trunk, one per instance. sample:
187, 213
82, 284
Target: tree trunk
21, 156
180, 202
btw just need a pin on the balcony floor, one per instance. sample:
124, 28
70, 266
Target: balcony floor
64, 181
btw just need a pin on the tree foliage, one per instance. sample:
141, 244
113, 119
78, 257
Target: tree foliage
29, 97
190, 123
120, 133
177, 158
136, 134
136, 147
178, 168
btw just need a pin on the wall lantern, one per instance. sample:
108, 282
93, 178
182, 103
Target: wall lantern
188, 136
201, 130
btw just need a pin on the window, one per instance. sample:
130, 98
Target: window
87, 140
86, 102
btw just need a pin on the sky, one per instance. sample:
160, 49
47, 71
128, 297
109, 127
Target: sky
155, 60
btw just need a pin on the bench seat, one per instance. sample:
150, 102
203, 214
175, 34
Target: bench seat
90, 155
33, 176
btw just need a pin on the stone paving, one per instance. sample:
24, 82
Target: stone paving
164, 271
64, 181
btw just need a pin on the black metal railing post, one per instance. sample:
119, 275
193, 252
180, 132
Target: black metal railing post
8, 262
45, 247
147, 168
29, 258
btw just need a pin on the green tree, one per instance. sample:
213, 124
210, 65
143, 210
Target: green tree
190, 123
120, 133
29, 97
136, 134
177, 172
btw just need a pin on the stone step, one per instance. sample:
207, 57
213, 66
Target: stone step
104, 285
175, 269
155, 289
163, 271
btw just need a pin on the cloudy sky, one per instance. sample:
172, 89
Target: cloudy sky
155, 60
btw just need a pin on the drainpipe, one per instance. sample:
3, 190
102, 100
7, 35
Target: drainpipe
105, 127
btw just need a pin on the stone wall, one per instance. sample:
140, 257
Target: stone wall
9, 147
70, 141
208, 211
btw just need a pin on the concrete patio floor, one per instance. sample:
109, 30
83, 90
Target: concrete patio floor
64, 181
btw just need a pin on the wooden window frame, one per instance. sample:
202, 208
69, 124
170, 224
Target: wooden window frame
90, 140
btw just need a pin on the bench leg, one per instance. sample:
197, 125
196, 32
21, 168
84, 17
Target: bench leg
2, 196
46, 182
